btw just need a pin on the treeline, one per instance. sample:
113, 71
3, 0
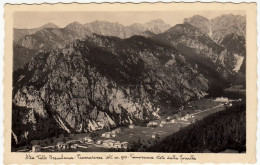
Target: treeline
215, 133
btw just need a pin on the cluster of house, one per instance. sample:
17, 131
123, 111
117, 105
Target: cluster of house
71, 144
161, 123
229, 104
186, 117
74, 144
152, 124
114, 144
170, 120
112, 133
221, 99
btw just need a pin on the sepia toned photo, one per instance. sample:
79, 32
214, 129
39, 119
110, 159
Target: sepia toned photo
164, 81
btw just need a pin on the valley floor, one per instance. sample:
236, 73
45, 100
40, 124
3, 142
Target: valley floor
138, 135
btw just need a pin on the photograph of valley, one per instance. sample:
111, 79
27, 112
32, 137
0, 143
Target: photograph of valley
133, 81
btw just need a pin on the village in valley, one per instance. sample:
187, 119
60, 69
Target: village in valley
131, 137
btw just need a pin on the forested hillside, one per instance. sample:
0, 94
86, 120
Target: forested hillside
215, 133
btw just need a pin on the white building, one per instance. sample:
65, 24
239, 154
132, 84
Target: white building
74, 146
155, 136
131, 126
152, 124
36, 148
106, 135
124, 145
61, 145
99, 142
117, 145
221, 99
108, 143
89, 141
172, 121
105, 144
163, 122
113, 135
87, 138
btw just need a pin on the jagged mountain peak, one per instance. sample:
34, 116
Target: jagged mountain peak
106, 28
183, 28
230, 16
200, 22
157, 21
196, 18
75, 26
103, 22
155, 26
227, 24
49, 25
219, 26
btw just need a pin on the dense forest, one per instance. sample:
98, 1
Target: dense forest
215, 133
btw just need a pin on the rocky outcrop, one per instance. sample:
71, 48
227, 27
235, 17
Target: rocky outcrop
107, 28
218, 27
234, 43
102, 82
200, 22
227, 24
191, 40
21, 33
229, 31
154, 26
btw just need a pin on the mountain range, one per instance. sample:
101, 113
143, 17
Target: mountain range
50, 36
31, 38
217, 28
84, 77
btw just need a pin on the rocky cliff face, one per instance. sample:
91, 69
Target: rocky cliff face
186, 37
154, 26
74, 80
227, 24
217, 28
21, 33
106, 28
200, 22
101, 82
229, 31
234, 43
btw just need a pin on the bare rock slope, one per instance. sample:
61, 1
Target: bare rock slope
101, 82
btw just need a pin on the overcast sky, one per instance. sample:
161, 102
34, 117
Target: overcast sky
36, 19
